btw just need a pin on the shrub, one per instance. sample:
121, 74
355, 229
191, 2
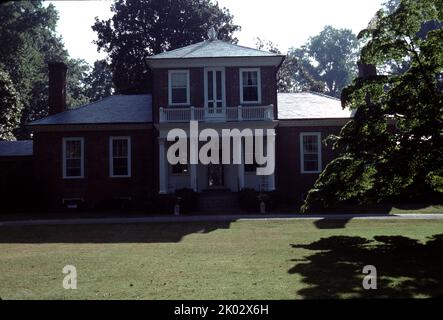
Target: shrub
248, 199
187, 199
161, 204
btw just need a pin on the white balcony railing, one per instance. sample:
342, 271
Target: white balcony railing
240, 113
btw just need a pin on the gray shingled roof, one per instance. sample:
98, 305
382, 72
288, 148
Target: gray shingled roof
113, 109
213, 49
309, 105
16, 148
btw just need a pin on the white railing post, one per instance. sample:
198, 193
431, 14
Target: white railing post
192, 113
240, 113
161, 115
271, 112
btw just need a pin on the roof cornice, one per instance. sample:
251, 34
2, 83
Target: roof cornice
274, 61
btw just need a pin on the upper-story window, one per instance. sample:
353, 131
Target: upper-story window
73, 158
178, 87
310, 152
120, 157
250, 85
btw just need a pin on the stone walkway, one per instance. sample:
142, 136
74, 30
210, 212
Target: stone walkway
209, 218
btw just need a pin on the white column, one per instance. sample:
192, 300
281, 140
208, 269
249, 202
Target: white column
241, 167
271, 177
193, 166
163, 167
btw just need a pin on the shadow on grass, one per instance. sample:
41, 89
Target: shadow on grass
406, 268
108, 233
331, 223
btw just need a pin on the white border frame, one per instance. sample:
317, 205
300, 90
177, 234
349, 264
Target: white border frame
319, 153
82, 158
258, 70
188, 91
111, 162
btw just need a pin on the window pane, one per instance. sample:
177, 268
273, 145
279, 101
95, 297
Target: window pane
120, 166
120, 148
250, 94
73, 172
219, 85
179, 79
210, 85
311, 165
179, 95
250, 78
73, 149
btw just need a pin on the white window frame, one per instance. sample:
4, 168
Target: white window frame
258, 70
111, 158
302, 154
82, 158
188, 84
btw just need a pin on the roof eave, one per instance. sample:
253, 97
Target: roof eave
235, 61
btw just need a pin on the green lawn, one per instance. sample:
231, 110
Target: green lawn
224, 260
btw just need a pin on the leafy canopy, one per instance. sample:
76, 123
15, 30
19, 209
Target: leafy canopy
392, 149
28, 42
326, 62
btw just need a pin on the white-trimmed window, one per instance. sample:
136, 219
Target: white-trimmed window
178, 87
310, 152
73, 158
120, 157
250, 85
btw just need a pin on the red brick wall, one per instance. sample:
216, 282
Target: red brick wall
160, 88
289, 179
97, 185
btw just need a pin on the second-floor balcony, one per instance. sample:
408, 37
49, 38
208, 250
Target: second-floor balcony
229, 114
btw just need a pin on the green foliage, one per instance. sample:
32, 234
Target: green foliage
10, 107
99, 81
393, 147
139, 29
326, 62
28, 42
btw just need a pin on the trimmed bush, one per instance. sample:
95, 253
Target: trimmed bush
187, 199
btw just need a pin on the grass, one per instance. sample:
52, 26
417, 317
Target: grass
224, 260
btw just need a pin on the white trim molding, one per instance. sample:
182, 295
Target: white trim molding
302, 153
188, 87
259, 88
111, 157
82, 157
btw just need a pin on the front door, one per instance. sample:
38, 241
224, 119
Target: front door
215, 106
215, 176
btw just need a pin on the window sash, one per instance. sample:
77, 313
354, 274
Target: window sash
250, 86
73, 158
310, 152
179, 87
120, 156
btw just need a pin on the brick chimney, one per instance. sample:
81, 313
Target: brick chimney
57, 87
366, 70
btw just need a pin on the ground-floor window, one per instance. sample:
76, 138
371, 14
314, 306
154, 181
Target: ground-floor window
120, 157
310, 152
73, 158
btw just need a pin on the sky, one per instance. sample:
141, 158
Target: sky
287, 23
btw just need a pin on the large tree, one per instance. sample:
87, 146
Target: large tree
326, 63
10, 107
28, 42
140, 28
99, 81
393, 148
